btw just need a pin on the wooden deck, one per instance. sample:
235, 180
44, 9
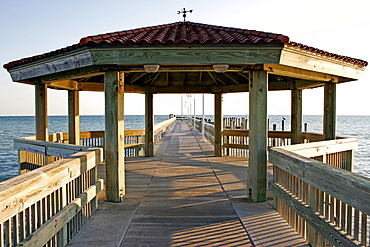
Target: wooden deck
186, 197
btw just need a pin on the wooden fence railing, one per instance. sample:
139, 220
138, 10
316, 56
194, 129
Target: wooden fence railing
324, 202
209, 129
317, 193
236, 141
30, 158
46, 207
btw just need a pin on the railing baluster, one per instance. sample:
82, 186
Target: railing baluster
364, 229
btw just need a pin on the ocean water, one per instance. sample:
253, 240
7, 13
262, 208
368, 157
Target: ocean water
22, 126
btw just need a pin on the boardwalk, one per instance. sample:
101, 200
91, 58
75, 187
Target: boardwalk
186, 197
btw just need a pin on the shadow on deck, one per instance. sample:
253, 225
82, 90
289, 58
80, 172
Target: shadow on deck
186, 197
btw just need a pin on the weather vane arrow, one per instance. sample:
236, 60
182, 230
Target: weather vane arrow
183, 11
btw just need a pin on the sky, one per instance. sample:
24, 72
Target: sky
33, 27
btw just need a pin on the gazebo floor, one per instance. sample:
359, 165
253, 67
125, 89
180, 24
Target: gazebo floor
186, 197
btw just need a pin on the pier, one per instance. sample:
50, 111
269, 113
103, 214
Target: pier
184, 196
161, 184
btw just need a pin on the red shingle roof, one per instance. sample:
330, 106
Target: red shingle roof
185, 33
179, 33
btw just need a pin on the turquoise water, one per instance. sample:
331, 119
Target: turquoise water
22, 126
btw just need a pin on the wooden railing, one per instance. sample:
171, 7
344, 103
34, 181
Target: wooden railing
236, 141
316, 191
30, 158
49, 205
324, 202
209, 130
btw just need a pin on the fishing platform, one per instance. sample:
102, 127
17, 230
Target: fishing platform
312, 183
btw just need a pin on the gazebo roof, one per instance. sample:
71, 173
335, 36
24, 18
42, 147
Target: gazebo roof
183, 33
186, 54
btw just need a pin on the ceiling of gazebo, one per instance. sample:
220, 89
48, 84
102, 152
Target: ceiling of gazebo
186, 53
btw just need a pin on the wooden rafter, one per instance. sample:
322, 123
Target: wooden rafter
228, 75
213, 78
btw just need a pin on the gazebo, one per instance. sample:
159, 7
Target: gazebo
185, 57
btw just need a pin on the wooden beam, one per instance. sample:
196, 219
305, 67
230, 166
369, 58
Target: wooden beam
63, 84
218, 125
186, 55
75, 60
257, 179
73, 117
91, 86
330, 116
197, 89
290, 85
297, 72
241, 88
311, 61
99, 87
149, 125
114, 136
296, 116
41, 104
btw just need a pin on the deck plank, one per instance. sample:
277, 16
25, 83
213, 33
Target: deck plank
184, 196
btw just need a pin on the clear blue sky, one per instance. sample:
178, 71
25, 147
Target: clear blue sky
38, 26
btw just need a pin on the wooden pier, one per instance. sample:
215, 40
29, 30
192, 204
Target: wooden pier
186, 191
184, 196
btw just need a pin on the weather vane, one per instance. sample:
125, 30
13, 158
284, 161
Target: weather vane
184, 12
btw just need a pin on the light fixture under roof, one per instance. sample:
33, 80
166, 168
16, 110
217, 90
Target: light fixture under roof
151, 68
220, 68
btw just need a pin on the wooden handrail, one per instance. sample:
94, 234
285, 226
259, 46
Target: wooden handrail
333, 201
37, 205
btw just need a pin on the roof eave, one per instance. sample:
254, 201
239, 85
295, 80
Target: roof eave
134, 56
303, 59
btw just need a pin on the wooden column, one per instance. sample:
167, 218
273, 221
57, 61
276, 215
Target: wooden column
41, 104
149, 125
114, 136
218, 125
73, 117
329, 111
257, 180
296, 116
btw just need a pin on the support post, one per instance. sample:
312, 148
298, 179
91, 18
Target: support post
114, 135
73, 117
329, 111
296, 116
203, 139
257, 175
41, 104
218, 125
149, 125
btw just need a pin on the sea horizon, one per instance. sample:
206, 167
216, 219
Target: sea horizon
12, 127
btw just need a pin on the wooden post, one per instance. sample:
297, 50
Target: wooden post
22, 159
257, 178
149, 125
73, 117
329, 111
41, 105
218, 125
114, 135
296, 116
